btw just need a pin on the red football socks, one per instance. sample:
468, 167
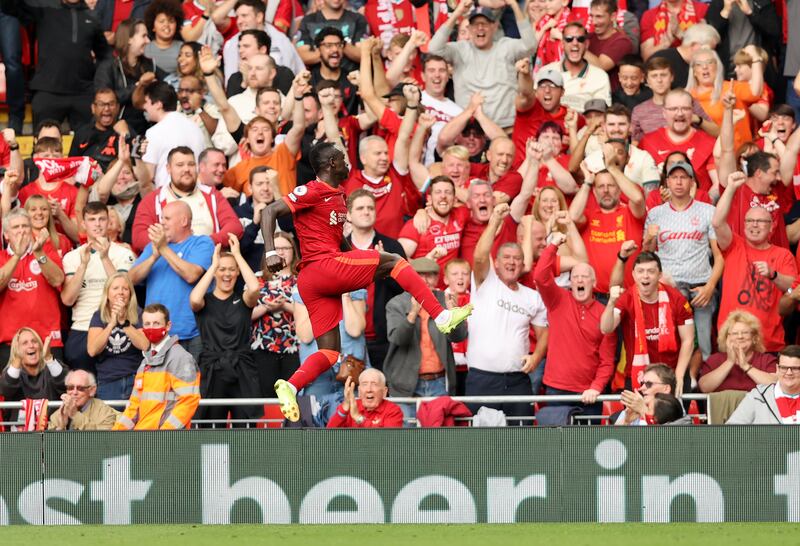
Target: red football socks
314, 366
412, 283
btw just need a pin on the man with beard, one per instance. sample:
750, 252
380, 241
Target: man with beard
680, 135
211, 214
582, 80
607, 44
98, 139
326, 273
256, 42
261, 74
604, 221
442, 240
333, 65
332, 13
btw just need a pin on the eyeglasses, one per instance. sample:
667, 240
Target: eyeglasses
752, 221
188, 90
570, 39
102, 105
82, 388
678, 109
789, 369
332, 45
649, 384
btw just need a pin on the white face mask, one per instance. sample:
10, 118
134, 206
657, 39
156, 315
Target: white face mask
147, 116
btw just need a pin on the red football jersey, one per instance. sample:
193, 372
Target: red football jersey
319, 213
393, 194
699, 147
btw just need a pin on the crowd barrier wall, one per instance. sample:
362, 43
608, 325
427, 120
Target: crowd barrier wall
461, 475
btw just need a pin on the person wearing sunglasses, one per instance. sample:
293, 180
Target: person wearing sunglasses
776, 403
81, 410
639, 403
582, 81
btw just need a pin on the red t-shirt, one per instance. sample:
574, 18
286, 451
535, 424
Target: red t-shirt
615, 47
604, 234
473, 231
744, 289
387, 128
546, 179
648, 23
386, 415
66, 193
350, 129
386, 18
446, 235
510, 183
29, 300
192, 14
745, 198
681, 314
319, 213
5, 152
122, 11
737, 380
699, 147
461, 346
393, 194
527, 124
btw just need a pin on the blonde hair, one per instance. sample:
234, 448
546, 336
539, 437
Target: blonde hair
131, 313
745, 318
743, 57
562, 205
457, 151
51, 224
15, 348
691, 83
112, 210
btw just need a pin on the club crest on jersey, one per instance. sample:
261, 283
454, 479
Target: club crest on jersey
337, 218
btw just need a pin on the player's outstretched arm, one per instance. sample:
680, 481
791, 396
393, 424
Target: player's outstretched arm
269, 215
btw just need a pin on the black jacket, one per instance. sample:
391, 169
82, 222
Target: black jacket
110, 75
68, 35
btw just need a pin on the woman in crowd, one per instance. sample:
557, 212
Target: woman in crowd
227, 367
707, 87
741, 362
274, 341
188, 64
121, 72
115, 339
42, 218
32, 371
164, 18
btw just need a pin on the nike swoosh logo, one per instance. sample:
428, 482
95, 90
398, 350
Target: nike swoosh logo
662, 152
236, 301
83, 145
327, 199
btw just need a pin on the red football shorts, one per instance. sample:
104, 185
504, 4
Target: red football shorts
321, 284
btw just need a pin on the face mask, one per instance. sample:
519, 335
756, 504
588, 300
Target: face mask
128, 193
146, 115
154, 335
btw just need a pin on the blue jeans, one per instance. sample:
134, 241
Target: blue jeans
703, 318
194, 346
11, 50
537, 376
591, 409
425, 387
119, 389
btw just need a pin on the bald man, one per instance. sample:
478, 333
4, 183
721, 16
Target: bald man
170, 265
81, 410
261, 73
580, 358
506, 183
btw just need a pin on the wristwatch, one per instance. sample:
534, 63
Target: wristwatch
42, 259
13, 145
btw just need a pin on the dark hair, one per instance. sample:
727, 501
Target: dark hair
550, 126
664, 373
44, 124
439, 180
257, 5
432, 57
325, 32
791, 351
646, 257
210, 150
122, 36
782, 110
268, 89
164, 93
171, 8
758, 161
658, 63
326, 84
632, 60
321, 154
575, 24
666, 408
157, 308
664, 165
94, 207
106, 91
48, 144
261, 37
357, 194
619, 109
179, 150
258, 170
611, 5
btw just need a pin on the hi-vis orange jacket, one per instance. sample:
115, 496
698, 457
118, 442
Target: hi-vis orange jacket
166, 391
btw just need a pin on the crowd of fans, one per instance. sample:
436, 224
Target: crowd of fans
615, 187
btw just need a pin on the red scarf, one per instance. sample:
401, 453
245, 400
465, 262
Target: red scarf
788, 406
666, 334
550, 51
686, 18
85, 169
35, 411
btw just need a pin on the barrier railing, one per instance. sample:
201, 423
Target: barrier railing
249, 423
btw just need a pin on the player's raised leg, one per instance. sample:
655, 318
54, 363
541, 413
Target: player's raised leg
400, 270
328, 347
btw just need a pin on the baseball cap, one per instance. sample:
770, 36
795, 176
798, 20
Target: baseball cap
397, 91
595, 105
551, 75
681, 165
481, 11
425, 265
